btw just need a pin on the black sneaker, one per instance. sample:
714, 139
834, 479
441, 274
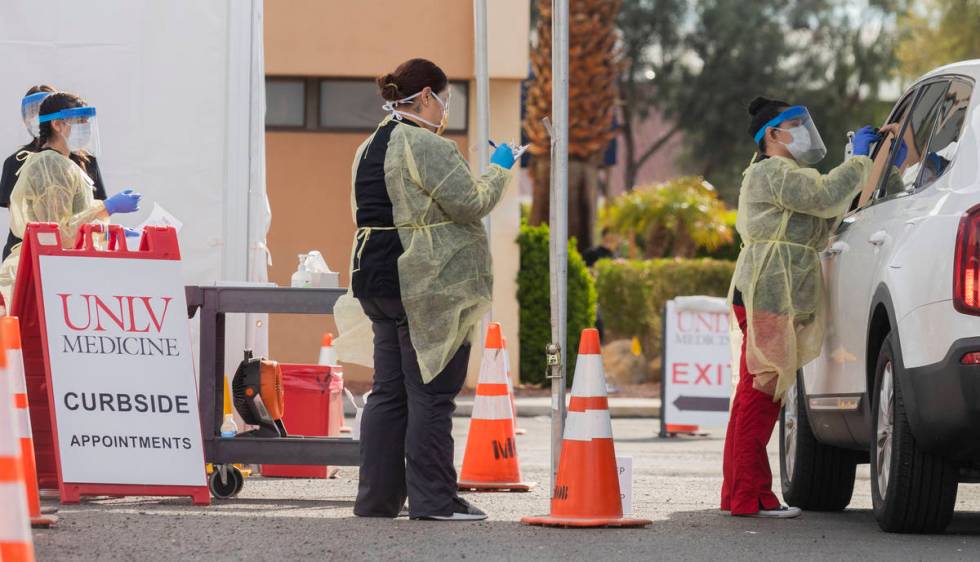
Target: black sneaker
462, 511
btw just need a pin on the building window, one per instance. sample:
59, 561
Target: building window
458, 107
350, 104
285, 102
341, 104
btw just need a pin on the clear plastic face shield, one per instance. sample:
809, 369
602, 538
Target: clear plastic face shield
82, 128
30, 107
805, 143
392, 107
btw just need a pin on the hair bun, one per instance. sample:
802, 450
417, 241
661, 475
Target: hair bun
757, 104
389, 89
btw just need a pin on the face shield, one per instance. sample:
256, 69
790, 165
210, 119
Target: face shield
806, 145
29, 109
83, 132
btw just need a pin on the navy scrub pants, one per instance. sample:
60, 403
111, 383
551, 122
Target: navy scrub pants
406, 426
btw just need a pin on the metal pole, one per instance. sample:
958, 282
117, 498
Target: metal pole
558, 267
482, 109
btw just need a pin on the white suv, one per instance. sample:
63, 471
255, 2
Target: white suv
898, 380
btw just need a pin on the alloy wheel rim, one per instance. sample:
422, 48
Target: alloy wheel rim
790, 428
886, 428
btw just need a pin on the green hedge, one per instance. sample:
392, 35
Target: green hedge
534, 299
632, 293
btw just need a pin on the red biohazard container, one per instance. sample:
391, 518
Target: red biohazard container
307, 412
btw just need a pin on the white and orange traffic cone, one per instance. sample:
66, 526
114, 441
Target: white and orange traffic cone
490, 461
586, 490
15, 529
510, 387
328, 353
10, 329
675, 428
328, 357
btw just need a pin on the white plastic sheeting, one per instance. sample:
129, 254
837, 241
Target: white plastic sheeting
179, 87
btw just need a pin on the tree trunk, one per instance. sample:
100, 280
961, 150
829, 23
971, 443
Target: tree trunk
593, 68
629, 145
583, 186
541, 193
655, 245
684, 245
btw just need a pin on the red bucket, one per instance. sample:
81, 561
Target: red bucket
307, 412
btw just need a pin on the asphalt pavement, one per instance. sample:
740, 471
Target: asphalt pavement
676, 484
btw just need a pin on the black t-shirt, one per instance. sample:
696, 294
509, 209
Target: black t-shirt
737, 298
11, 166
9, 178
376, 271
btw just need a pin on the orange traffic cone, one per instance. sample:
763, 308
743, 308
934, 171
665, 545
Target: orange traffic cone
490, 461
510, 387
586, 490
673, 428
15, 529
328, 356
10, 328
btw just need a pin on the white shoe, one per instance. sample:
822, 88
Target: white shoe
781, 512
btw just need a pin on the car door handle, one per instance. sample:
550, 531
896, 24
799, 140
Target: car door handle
878, 238
837, 248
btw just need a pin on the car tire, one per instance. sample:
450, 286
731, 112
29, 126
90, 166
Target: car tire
919, 487
815, 476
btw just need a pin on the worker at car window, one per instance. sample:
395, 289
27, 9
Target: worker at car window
786, 213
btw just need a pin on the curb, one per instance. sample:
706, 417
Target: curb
538, 407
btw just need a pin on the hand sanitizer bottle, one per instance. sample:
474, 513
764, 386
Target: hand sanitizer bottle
229, 428
302, 277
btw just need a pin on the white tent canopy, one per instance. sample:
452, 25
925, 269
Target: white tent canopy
179, 89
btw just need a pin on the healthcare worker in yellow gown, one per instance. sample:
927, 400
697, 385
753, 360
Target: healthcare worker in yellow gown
421, 272
786, 214
51, 187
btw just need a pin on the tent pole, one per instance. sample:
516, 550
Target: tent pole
482, 109
558, 221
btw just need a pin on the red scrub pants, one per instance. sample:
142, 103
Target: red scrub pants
747, 485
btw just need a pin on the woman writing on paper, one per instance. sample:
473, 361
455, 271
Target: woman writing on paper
421, 273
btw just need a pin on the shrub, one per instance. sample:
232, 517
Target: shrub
632, 293
534, 299
729, 250
674, 218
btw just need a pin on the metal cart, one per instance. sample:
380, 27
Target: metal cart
214, 302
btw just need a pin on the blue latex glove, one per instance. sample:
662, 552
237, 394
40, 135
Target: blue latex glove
131, 232
503, 156
936, 163
127, 201
903, 153
863, 139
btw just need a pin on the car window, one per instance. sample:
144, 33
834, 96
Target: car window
942, 146
882, 152
907, 157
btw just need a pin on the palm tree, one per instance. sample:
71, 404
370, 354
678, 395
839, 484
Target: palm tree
593, 67
674, 218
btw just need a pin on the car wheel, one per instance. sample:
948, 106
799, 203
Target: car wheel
814, 476
911, 491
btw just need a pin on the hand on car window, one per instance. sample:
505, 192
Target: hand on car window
890, 129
